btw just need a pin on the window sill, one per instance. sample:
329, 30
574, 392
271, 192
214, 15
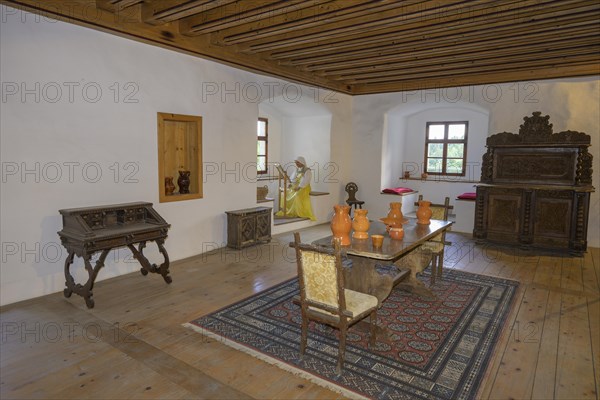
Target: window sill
438, 178
400, 194
267, 178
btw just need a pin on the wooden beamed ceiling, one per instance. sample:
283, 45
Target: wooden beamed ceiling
362, 46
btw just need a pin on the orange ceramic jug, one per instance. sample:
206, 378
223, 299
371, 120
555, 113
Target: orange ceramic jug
424, 212
341, 225
360, 224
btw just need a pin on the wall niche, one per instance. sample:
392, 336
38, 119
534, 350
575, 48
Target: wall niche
179, 157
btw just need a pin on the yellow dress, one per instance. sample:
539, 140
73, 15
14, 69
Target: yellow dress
297, 200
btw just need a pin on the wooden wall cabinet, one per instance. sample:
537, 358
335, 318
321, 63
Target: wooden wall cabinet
179, 149
248, 227
535, 188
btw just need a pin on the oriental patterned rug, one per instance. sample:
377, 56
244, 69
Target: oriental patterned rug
426, 348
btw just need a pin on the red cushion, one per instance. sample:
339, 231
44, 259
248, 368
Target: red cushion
398, 190
468, 196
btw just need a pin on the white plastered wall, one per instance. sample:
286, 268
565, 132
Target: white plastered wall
98, 144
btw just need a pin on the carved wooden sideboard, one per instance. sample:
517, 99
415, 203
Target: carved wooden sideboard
535, 188
92, 230
248, 227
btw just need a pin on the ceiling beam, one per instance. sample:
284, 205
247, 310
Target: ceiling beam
451, 67
116, 6
327, 13
167, 36
485, 14
355, 46
441, 38
471, 51
412, 16
237, 14
164, 11
550, 62
489, 78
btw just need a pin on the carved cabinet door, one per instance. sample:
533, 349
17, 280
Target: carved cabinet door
504, 215
247, 230
553, 212
263, 226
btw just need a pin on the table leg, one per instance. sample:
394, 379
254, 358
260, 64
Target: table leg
416, 261
365, 277
147, 267
85, 290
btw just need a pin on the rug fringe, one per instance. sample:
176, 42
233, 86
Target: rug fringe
280, 364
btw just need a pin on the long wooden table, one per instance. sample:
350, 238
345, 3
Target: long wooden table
377, 270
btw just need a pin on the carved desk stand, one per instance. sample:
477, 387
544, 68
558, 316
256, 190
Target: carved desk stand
91, 230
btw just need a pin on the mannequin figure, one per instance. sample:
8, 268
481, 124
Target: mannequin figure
298, 193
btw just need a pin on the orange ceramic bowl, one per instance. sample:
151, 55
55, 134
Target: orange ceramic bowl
397, 233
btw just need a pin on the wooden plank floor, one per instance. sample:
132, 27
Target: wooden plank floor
132, 345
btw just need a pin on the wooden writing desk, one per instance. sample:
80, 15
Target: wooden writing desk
90, 230
377, 271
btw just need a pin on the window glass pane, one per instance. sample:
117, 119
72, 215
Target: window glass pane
454, 166
434, 165
435, 150
261, 147
455, 150
436, 131
261, 129
456, 131
261, 163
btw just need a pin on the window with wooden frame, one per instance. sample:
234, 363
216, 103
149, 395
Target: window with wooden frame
446, 148
262, 136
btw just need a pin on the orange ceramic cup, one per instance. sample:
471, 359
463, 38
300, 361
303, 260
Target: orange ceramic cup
377, 241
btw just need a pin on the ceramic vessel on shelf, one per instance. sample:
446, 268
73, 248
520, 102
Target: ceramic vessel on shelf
184, 182
360, 224
341, 224
424, 212
169, 185
397, 233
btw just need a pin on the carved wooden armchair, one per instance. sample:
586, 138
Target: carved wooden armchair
435, 245
323, 297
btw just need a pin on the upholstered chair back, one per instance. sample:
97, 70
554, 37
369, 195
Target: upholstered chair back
320, 277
